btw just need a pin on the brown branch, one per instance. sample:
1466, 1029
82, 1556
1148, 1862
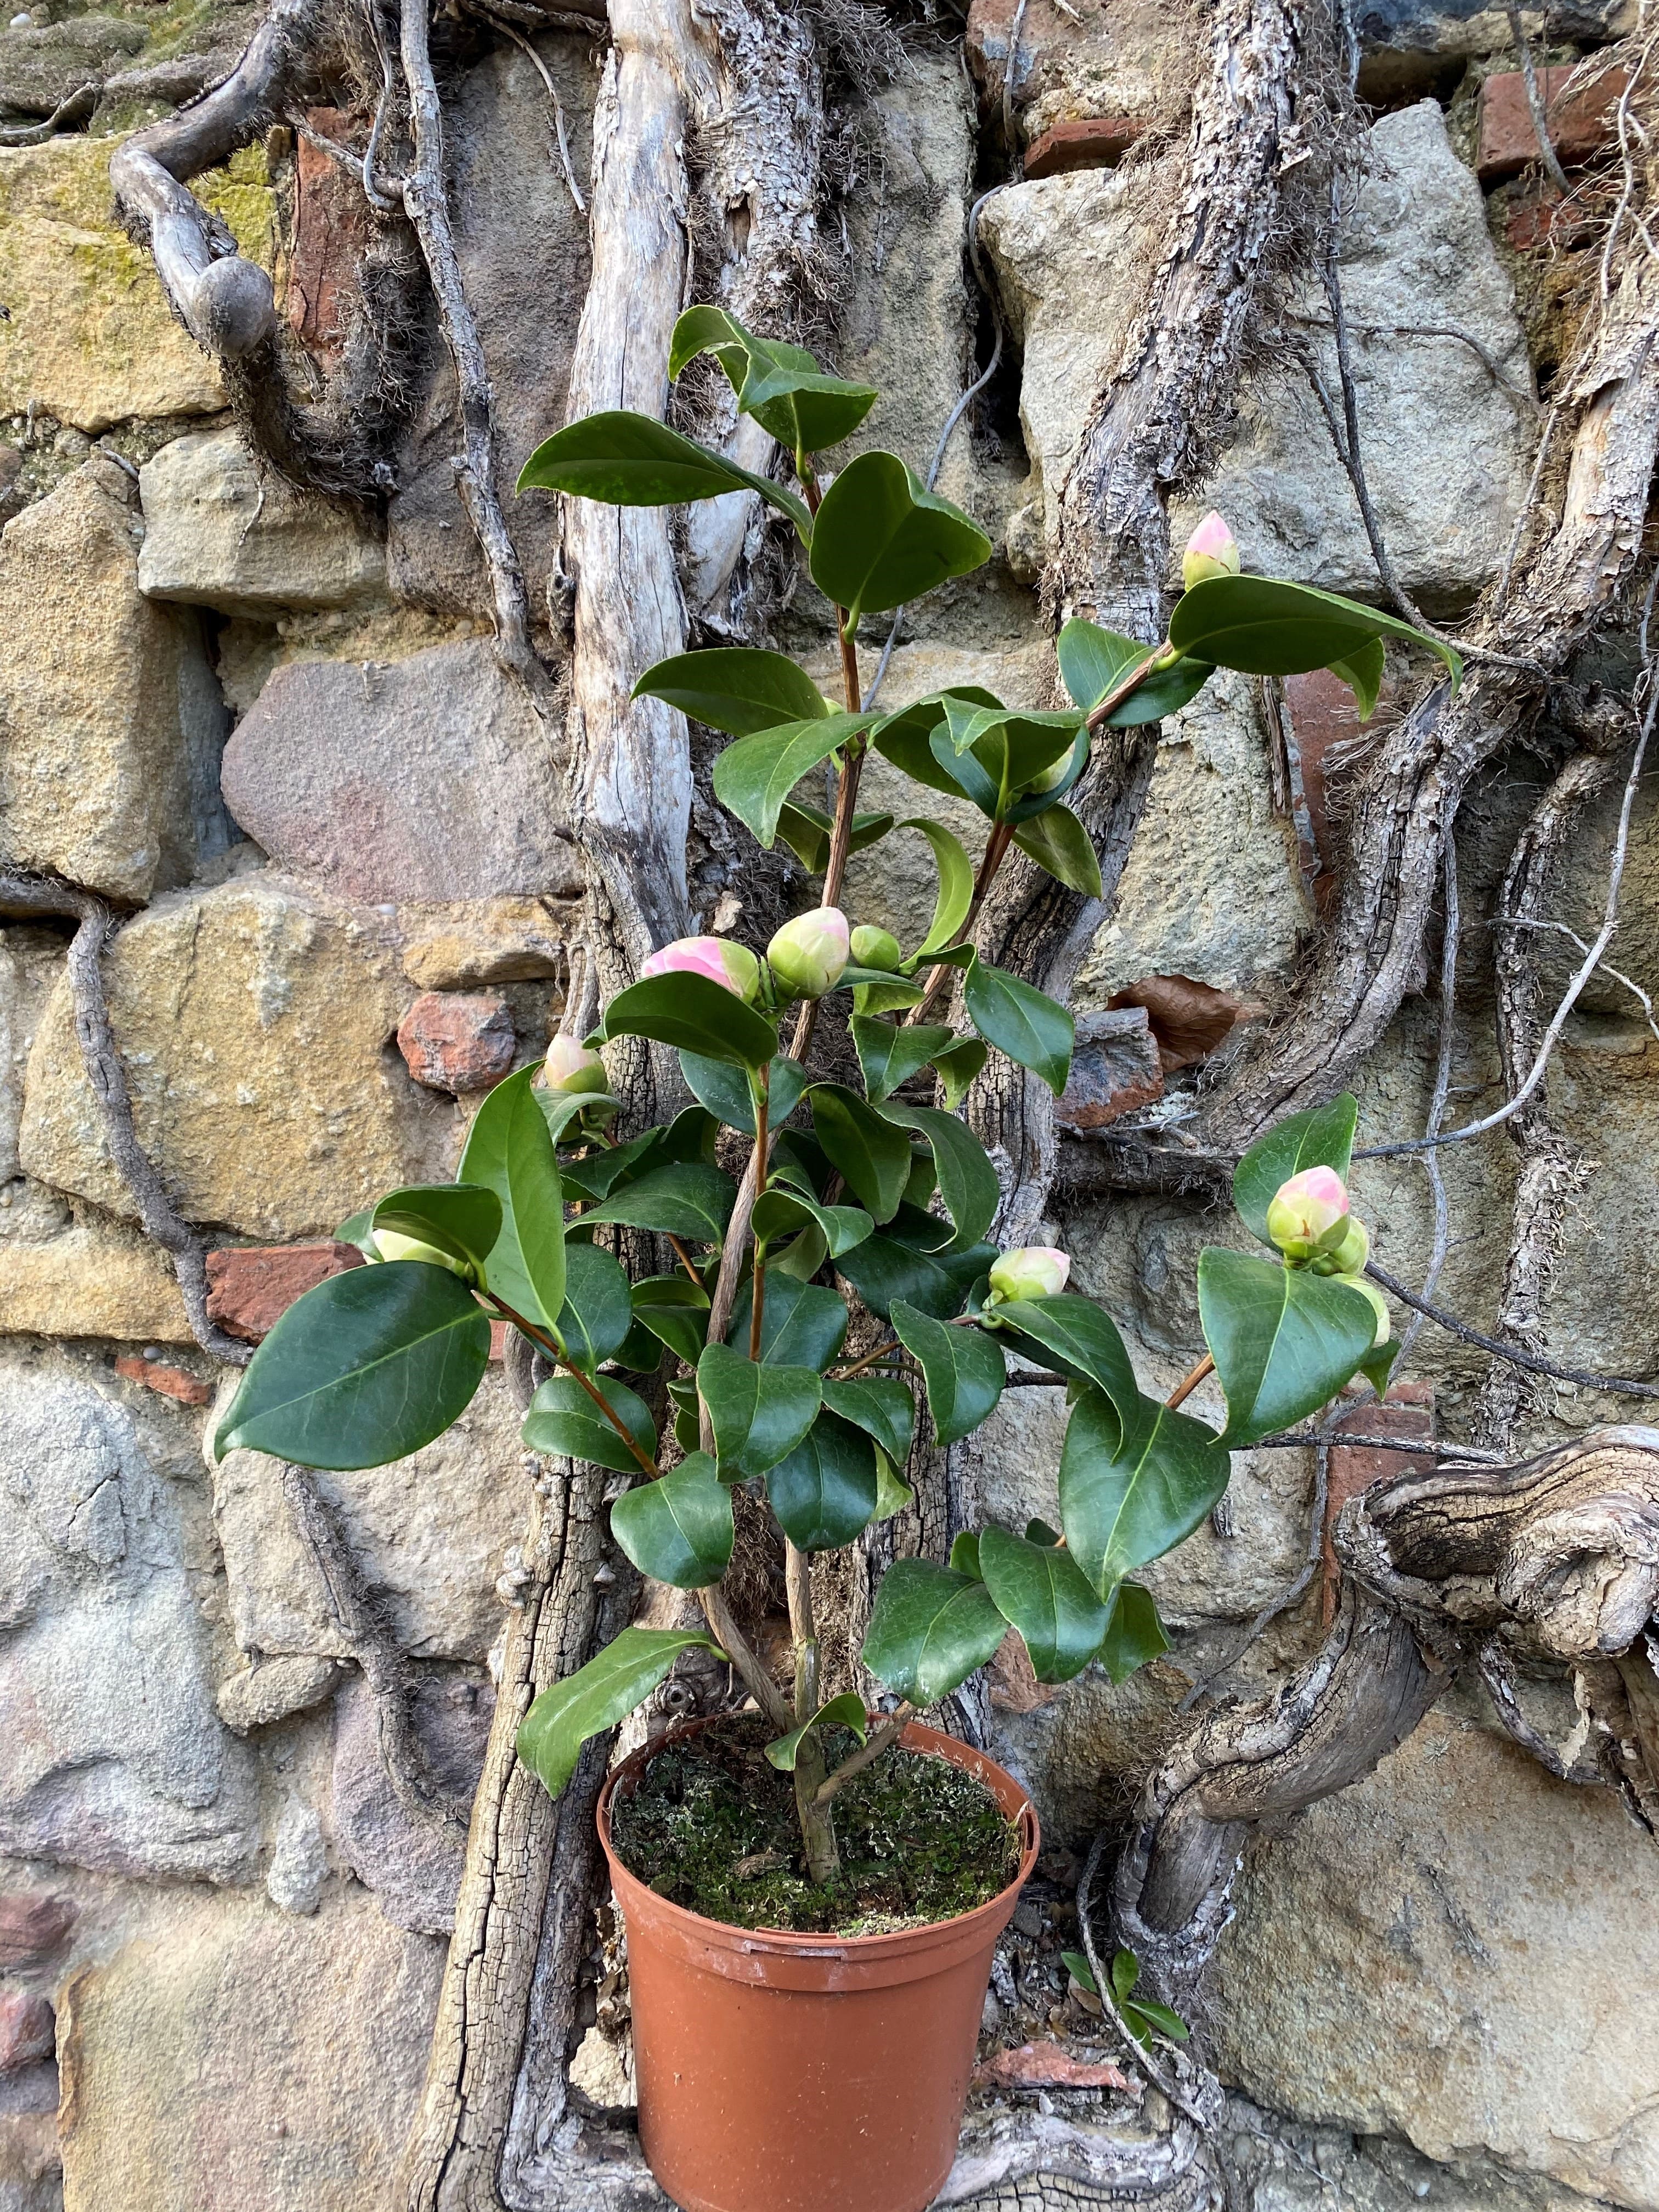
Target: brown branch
881, 1740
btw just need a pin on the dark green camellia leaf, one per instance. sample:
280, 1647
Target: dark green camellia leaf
825, 1492
1029, 1027
686, 1200
1039, 1531
689, 1137
564, 1422
1058, 841
760, 1411
365, 1368
754, 776
964, 1555
955, 885
724, 1089
929, 1629
678, 1529
783, 1211
735, 688
1362, 671
890, 1054
1135, 1634
1094, 661
883, 1408
808, 832
597, 1310
599, 1695
1130, 1489
354, 1229
845, 1711
904, 1261
802, 1324
868, 1152
1378, 1364
463, 1219
1321, 1138
674, 1311
904, 736
1081, 1340
633, 460
964, 1369
1266, 628
781, 385
510, 1149
694, 1013
967, 1180
882, 538
1283, 1340
957, 1065
1046, 1595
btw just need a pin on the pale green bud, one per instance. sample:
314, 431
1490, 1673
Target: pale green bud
875, 948
1378, 1303
807, 955
571, 1066
1032, 1271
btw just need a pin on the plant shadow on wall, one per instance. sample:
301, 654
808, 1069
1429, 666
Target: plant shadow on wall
729, 1369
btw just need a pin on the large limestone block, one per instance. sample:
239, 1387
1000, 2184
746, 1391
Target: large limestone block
1101, 57
218, 533
92, 1278
110, 721
42, 63
255, 1022
31, 961
427, 778
1447, 450
231, 2054
1464, 1952
90, 337
113, 1756
429, 1531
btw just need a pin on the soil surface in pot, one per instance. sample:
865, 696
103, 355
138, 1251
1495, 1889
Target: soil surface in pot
712, 1826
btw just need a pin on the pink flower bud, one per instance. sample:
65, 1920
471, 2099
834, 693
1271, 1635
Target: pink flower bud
807, 955
1308, 1214
571, 1066
1211, 550
1033, 1271
734, 967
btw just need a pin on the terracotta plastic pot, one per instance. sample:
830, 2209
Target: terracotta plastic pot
787, 2073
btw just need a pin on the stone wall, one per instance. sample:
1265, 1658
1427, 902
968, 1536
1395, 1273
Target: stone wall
271, 732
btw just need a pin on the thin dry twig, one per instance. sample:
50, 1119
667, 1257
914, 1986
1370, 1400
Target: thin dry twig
1437, 1102
1552, 159
1622, 1385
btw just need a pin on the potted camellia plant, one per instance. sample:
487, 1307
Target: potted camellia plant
811, 1892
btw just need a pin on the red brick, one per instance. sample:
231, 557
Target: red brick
1408, 1412
251, 1287
1188, 1018
1581, 123
1115, 1068
458, 1041
28, 2030
156, 1375
1046, 2066
1097, 142
33, 1924
1321, 718
331, 227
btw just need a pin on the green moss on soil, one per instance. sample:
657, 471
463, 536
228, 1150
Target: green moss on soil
920, 1841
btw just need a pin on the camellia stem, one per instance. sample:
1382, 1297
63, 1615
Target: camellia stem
817, 1826
760, 1089
889, 1733
847, 793
642, 1457
1188, 1383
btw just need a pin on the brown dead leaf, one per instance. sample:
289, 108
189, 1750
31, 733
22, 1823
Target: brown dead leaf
1046, 2066
1188, 1018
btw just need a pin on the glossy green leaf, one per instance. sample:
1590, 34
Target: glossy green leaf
724, 1089
1077, 1965
845, 1711
964, 1555
1323, 1137
808, 831
893, 1495
510, 1149
685, 1200
825, 1492
1284, 1339
867, 1151
783, 1211
904, 1261
564, 1422
929, 1629
461, 1218
1049, 1599
1021, 1022
633, 460
674, 1311
694, 1013
1058, 842
355, 1229
957, 1065
735, 688
760, 1411
802, 1256
889, 1053
903, 737
1134, 1635
597, 1310
1039, 1531
1362, 671
1081, 1340
679, 1528
781, 385
966, 1179
599, 1695
1093, 661
365, 1368
1130, 1489
754, 776
802, 1324
881, 539
964, 1369
956, 883
882, 1407
891, 996
1378, 1364
1267, 627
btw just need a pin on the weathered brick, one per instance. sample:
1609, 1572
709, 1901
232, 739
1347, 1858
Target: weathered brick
1096, 141
156, 1375
1115, 1068
251, 1287
1408, 1413
1581, 123
33, 1923
458, 1040
28, 2030
333, 227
